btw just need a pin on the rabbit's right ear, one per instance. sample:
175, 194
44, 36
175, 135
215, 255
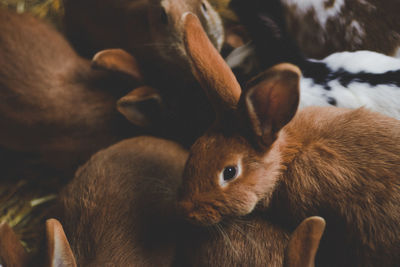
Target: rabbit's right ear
272, 100
304, 242
143, 106
58, 249
11, 251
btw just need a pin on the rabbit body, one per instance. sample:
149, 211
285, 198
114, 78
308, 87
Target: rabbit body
324, 27
150, 30
249, 241
343, 165
340, 164
103, 230
262, 156
55, 108
321, 28
119, 210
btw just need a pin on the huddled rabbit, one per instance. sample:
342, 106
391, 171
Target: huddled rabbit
344, 79
58, 109
297, 251
119, 210
264, 157
250, 241
324, 27
151, 31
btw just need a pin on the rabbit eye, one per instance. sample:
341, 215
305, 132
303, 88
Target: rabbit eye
164, 16
203, 7
230, 173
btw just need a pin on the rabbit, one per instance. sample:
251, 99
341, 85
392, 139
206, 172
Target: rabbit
321, 28
148, 29
300, 251
263, 156
58, 109
344, 79
250, 241
152, 32
119, 209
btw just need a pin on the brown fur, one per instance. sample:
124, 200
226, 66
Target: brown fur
119, 208
150, 30
138, 26
251, 241
58, 249
56, 109
340, 164
203, 60
245, 242
304, 242
12, 253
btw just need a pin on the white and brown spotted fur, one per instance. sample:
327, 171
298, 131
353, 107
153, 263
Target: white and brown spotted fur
344, 79
322, 27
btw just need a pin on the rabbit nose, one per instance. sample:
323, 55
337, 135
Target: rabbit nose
189, 212
185, 208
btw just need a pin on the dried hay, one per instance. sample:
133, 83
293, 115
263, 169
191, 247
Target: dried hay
50, 10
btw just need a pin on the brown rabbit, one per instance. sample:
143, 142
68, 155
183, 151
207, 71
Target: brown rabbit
151, 30
119, 208
260, 156
227, 250
56, 108
250, 241
321, 28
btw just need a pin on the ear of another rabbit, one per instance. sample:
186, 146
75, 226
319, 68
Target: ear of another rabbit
117, 60
304, 242
272, 100
12, 252
210, 69
58, 249
143, 106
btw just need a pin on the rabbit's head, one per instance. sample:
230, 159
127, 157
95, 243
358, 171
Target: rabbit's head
236, 162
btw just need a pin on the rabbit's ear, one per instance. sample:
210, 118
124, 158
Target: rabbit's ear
117, 60
11, 251
272, 100
304, 242
58, 250
210, 69
143, 106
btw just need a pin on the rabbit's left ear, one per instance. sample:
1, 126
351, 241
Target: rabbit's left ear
208, 66
272, 100
143, 106
12, 252
304, 242
117, 60
59, 252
